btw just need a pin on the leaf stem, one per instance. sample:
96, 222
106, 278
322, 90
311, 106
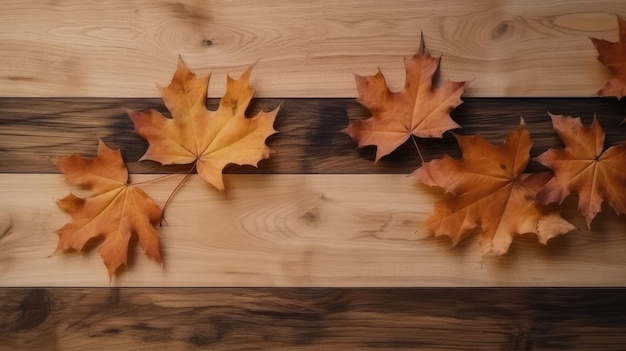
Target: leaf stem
418, 149
176, 189
154, 179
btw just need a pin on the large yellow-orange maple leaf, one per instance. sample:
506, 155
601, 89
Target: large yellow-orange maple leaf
419, 109
613, 55
583, 168
211, 139
114, 211
488, 190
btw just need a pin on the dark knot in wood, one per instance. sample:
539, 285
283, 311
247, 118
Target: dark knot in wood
312, 216
34, 310
501, 29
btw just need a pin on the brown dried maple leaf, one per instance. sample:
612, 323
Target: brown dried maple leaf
613, 55
211, 139
113, 212
583, 168
419, 109
488, 190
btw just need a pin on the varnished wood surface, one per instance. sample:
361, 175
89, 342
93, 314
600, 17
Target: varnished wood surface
309, 140
303, 48
312, 319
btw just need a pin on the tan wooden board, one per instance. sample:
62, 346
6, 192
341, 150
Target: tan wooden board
297, 230
304, 48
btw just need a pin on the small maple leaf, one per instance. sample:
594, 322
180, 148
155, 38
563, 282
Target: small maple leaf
613, 55
419, 109
488, 190
211, 139
113, 212
583, 168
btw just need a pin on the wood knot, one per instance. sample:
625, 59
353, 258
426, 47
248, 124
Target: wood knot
501, 29
35, 309
207, 42
311, 216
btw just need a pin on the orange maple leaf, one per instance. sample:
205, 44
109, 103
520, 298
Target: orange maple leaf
419, 109
113, 212
488, 190
613, 55
211, 139
583, 168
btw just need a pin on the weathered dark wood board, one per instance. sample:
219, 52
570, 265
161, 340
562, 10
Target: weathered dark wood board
309, 140
312, 319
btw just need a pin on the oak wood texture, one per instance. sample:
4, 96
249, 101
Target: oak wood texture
317, 213
312, 319
304, 48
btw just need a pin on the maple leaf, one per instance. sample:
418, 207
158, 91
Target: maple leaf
488, 190
113, 212
613, 55
583, 168
211, 139
418, 110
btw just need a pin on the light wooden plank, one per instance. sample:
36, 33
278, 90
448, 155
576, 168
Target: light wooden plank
297, 230
304, 48
313, 319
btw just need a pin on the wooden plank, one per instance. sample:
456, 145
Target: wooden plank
313, 319
297, 230
304, 48
34, 129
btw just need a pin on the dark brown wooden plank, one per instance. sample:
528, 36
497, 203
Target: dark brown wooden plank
33, 129
312, 319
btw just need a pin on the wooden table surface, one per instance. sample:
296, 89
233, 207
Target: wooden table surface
316, 248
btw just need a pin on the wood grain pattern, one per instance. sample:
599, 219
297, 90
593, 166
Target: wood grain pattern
304, 48
312, 225
312, 319
297, 230
34, 129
